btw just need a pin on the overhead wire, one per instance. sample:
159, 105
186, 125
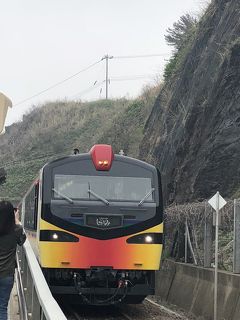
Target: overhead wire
85, 69
141, 56
93, 87
120, 78
58, 83
97, 85
132, 77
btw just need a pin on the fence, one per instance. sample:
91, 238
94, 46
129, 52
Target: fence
189, 234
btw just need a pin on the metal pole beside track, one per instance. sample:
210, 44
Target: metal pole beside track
217, 202
236, 241
208, 240
216, 258
186, 241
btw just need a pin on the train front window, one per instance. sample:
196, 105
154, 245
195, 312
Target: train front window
107, 187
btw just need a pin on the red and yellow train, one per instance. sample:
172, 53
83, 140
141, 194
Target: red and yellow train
95, 223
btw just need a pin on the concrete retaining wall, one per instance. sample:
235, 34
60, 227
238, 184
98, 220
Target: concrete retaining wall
191, 288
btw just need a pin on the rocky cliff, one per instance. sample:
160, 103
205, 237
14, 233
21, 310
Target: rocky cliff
193, 132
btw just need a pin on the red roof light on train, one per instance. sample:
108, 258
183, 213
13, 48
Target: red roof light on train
102, 156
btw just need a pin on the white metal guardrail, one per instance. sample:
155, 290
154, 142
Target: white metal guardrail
20, 292
35, 299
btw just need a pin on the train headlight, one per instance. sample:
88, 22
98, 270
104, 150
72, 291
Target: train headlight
148, 239
55, 236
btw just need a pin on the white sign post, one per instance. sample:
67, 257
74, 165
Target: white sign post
217, 202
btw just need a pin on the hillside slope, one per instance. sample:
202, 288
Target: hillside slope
192, 134
48, 132
55, 129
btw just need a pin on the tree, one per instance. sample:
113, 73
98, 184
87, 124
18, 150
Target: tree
181, 31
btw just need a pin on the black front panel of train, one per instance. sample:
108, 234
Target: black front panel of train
101, 204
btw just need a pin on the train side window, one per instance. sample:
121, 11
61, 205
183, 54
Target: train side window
31, 208
36, 205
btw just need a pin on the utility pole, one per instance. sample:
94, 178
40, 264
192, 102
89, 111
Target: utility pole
107, 57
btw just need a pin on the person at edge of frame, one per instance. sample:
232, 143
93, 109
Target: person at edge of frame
11, 235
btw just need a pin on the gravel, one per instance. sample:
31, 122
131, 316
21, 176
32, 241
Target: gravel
144, 311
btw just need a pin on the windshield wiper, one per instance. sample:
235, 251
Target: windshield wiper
63, 196
146, 196
98, 196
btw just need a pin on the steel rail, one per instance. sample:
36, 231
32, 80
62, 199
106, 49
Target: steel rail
167, 310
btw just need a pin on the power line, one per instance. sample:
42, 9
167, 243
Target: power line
107, 57
142, 56
87, 68
93, 87
132, 77
57, 84
120, 78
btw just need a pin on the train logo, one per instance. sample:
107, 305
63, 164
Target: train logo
103, 222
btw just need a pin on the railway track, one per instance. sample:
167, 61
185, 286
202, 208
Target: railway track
147, 310
94, 313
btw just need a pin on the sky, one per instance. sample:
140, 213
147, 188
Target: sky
46, 41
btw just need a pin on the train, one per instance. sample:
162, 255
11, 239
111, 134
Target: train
95, 223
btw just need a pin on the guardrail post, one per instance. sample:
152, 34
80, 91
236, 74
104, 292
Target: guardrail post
36, 310
29, 295
208, 242
236, 237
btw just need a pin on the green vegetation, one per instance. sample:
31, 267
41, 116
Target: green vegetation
194, 213
181, 37
55, 129
126, 131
